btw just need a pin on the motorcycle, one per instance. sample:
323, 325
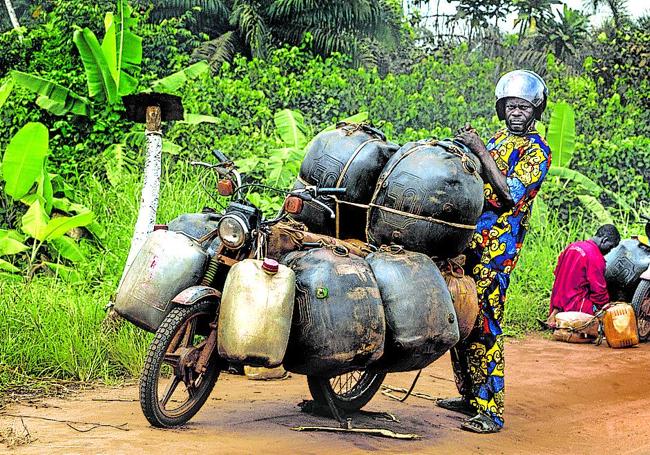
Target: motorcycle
641, 298
628, 276
183, 364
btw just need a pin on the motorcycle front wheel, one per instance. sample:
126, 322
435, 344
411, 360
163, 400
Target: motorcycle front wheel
641, 305
350, 391
171, 390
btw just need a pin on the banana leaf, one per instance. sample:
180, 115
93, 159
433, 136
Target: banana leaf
122, 48
195, 119
24, 159
101, 84
577, 178
173, 82
53, 97
57, 227
561, 134
596, 208
9, 245
356, 118
5, 91
8, 267
290, 126
68, 249
35, 220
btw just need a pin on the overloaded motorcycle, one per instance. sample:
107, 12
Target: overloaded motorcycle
628, 276
202, 281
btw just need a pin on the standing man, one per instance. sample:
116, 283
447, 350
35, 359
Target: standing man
515, 162
580, 274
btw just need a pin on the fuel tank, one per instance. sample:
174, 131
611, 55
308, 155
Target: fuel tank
255, 313
352, 156
421, 323
167, 263
428, 199
338, 323
625, 265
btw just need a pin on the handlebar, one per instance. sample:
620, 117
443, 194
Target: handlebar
220, 156
330, 191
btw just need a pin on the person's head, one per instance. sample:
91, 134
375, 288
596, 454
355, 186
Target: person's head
607, 238
520, 99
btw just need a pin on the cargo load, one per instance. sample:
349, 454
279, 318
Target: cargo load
463, 294
575, 327
352, 157
291, 236
167, 263
338, 321
625, 264
428, 199
255, 321
619, 325
420, 317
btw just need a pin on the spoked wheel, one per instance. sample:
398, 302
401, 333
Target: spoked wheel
171, 388
349, 392
641, 304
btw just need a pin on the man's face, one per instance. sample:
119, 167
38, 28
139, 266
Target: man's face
607, 245
519, 113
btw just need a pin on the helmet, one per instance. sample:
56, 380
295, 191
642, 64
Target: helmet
522, 84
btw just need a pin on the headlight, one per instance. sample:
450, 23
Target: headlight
232, 231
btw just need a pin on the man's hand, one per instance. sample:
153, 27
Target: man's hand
490, 172
468, 136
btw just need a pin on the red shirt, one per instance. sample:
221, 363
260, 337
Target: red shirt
580, 278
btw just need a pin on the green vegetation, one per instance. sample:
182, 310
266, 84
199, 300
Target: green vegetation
60, 92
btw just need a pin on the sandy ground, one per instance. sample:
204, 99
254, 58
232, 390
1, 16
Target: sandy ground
561, 398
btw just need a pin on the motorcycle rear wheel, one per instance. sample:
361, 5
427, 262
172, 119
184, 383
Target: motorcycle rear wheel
350, 391
169, 364
641, 305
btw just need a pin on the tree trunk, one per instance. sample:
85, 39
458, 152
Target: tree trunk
150, 187
12, 14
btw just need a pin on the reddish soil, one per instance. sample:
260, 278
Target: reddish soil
561, 398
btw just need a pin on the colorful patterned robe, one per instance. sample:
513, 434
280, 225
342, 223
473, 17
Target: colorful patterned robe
491, 256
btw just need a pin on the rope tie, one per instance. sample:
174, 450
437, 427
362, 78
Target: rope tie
430, 219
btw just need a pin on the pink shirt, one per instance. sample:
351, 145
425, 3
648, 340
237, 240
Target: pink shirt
580, 278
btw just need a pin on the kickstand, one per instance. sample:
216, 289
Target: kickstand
344, 422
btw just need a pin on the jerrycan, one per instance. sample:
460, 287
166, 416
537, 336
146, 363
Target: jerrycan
255, 314
619, 324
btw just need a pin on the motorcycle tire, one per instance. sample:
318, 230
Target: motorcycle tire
160, 361
350, 391
641, 305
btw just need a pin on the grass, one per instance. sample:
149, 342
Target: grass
532, 280
53, 329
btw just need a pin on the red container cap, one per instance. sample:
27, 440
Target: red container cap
270, 265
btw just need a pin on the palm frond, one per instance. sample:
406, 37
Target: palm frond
175, 8
253, 29
289, 8
219, 50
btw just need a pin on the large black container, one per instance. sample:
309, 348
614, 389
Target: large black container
338, 322
625, 264
421, 321
351, 156
428, 199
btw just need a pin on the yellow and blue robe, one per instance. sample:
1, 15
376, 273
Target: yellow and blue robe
491, 256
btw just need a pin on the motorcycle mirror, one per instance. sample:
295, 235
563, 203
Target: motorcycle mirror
225, 187
293, 205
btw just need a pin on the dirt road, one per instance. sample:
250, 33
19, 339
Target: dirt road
561, 398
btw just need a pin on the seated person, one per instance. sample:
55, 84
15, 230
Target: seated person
580, 274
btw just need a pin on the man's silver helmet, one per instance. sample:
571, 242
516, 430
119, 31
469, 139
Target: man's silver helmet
522, 84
